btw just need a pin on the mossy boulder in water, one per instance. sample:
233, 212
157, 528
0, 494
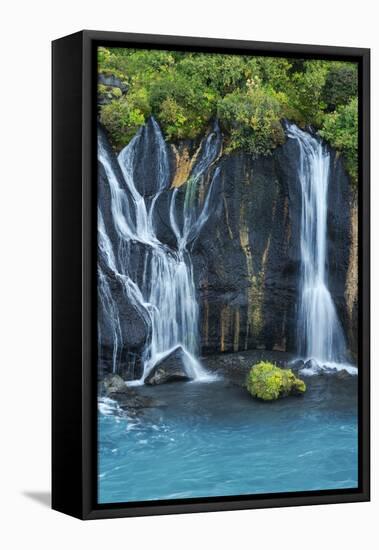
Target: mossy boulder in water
268, 382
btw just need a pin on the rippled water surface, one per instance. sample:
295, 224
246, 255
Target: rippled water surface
213, 439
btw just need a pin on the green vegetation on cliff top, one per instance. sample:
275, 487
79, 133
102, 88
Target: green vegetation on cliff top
250, 95
269, 382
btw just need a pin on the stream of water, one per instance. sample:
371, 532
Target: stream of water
202, 440
167, 292
319, 331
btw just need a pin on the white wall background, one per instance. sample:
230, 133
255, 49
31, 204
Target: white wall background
27, 29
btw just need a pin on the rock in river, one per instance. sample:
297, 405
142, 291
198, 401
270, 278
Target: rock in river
114, 386
172, 368
111, 384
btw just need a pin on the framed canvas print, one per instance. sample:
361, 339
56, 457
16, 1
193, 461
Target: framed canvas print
210, 274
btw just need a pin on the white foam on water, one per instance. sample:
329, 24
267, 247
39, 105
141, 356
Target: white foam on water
107, 406
329, 368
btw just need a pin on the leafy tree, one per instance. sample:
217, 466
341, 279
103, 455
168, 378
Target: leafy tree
223, 73
341, 85
340, 129
274, 72
250, 95
305, 93
121, 120
193, 102
252, 120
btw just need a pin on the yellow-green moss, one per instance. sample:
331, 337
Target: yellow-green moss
267, 382
109, 91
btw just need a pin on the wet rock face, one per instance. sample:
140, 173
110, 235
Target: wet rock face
342, 269
149, 175
133, 326
103, 188
134, 331
247, 260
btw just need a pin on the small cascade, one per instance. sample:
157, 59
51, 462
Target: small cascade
319, 331
166, 292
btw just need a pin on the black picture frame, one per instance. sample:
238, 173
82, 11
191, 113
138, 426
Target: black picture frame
74, 77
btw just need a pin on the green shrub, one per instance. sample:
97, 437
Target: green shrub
108, 64
173, 119
252, 120
182, 105
305, 93
341, 85
340, 129
122, 117
267, 382
250, 95
274, 72
223, 73
138, 99
121, 120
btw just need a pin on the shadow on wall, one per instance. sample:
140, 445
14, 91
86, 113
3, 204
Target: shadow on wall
41, 497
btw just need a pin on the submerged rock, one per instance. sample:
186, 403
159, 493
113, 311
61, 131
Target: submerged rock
171, 368
343, 374
268, 382
133, 400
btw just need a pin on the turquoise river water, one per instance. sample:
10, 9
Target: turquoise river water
213, 439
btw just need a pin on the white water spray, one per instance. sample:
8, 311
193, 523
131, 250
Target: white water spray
167, 292
320, 334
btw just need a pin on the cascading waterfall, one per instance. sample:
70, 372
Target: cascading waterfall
167, 291
130, 289
320, 334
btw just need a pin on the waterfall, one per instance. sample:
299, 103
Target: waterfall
131, 292
166, 291
320, 334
